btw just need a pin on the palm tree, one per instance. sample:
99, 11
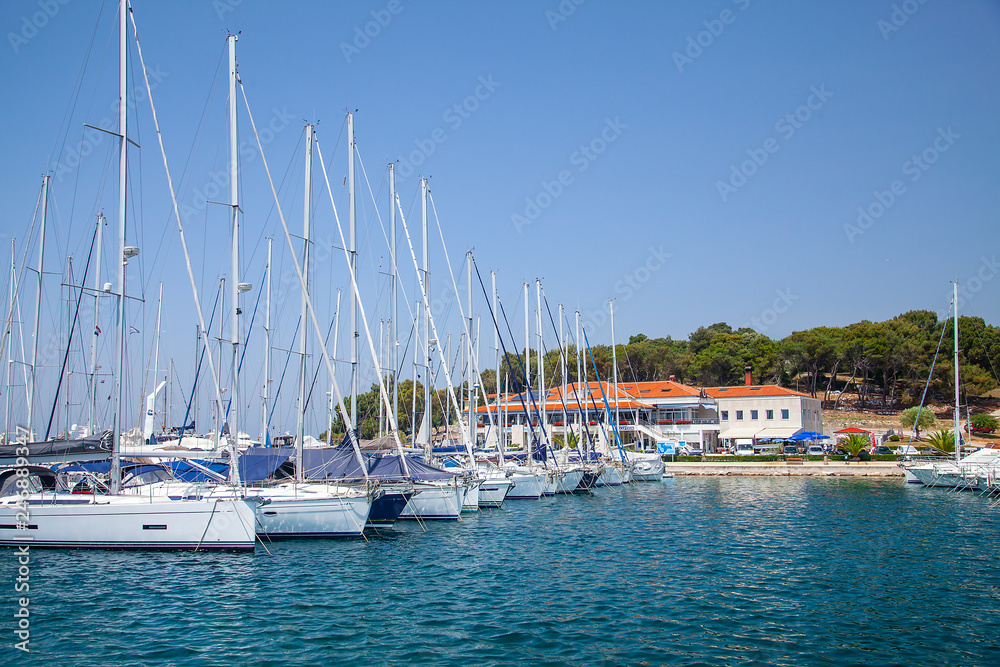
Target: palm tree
943, 440
854, 444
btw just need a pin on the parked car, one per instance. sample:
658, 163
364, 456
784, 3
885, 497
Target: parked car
744, 449
790, 450
815, 450
882, 450
906, 450
695, 451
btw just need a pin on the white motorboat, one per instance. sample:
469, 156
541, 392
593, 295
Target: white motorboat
646, 466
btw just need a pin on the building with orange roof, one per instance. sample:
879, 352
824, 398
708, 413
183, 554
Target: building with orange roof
647, 413
751, 413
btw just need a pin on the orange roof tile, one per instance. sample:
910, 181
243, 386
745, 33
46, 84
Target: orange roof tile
767, 390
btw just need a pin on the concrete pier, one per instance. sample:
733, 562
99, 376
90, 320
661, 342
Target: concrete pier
781, 469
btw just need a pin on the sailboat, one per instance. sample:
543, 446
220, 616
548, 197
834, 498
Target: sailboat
42, 512
297, 508
975, 471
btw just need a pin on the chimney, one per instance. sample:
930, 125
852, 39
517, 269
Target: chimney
748, 373
673, 378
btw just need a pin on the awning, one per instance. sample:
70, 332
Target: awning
741, 432
778, 432
759, 432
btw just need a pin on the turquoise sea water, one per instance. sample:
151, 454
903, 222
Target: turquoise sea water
781, 571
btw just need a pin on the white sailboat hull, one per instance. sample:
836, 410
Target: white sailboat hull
470, 501
611, 476
568, 481
313, 517
86, 521
290, 510
435, 501
526, 486
950, 476
492, 492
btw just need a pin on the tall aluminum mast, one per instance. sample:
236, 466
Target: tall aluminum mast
303, 334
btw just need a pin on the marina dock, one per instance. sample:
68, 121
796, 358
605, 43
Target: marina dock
782, 469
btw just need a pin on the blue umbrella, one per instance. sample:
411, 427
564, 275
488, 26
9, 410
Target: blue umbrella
811, 435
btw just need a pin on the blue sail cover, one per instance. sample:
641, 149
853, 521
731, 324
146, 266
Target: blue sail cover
340, 463
259, 463
185, 472
390, 468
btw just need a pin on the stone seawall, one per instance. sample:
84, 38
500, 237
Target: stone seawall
780, 469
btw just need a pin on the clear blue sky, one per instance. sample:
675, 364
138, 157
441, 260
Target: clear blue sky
731, 144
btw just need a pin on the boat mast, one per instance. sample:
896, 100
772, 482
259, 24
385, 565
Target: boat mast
538, 355
393, 337
446, 409
587, 396
501, 422
168, 397
353, 250
220, 409
97, 311
380, 368
194, 389
336, 340
300, 413
562, 391
527, 380
614, 359
119, 365
156, 354
479, 383
10, 344
69, 325
235, 286
265, 431
471, 388
38, 308
414, 426
579, 376
428, 388
958, 434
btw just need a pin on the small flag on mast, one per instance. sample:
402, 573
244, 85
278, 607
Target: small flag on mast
97, 330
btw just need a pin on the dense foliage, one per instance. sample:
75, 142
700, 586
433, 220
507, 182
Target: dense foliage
865, 364
879, 363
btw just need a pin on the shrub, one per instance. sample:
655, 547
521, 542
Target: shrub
909, 416
985, 423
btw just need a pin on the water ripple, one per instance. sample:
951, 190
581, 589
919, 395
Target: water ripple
692, 571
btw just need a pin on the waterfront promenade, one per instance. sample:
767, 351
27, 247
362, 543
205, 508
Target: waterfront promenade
831, 468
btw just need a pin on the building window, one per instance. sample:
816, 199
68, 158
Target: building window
739, 415
725, 415
784, 414
753, 414
769, 414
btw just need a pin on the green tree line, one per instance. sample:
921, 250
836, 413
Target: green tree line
885, 364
